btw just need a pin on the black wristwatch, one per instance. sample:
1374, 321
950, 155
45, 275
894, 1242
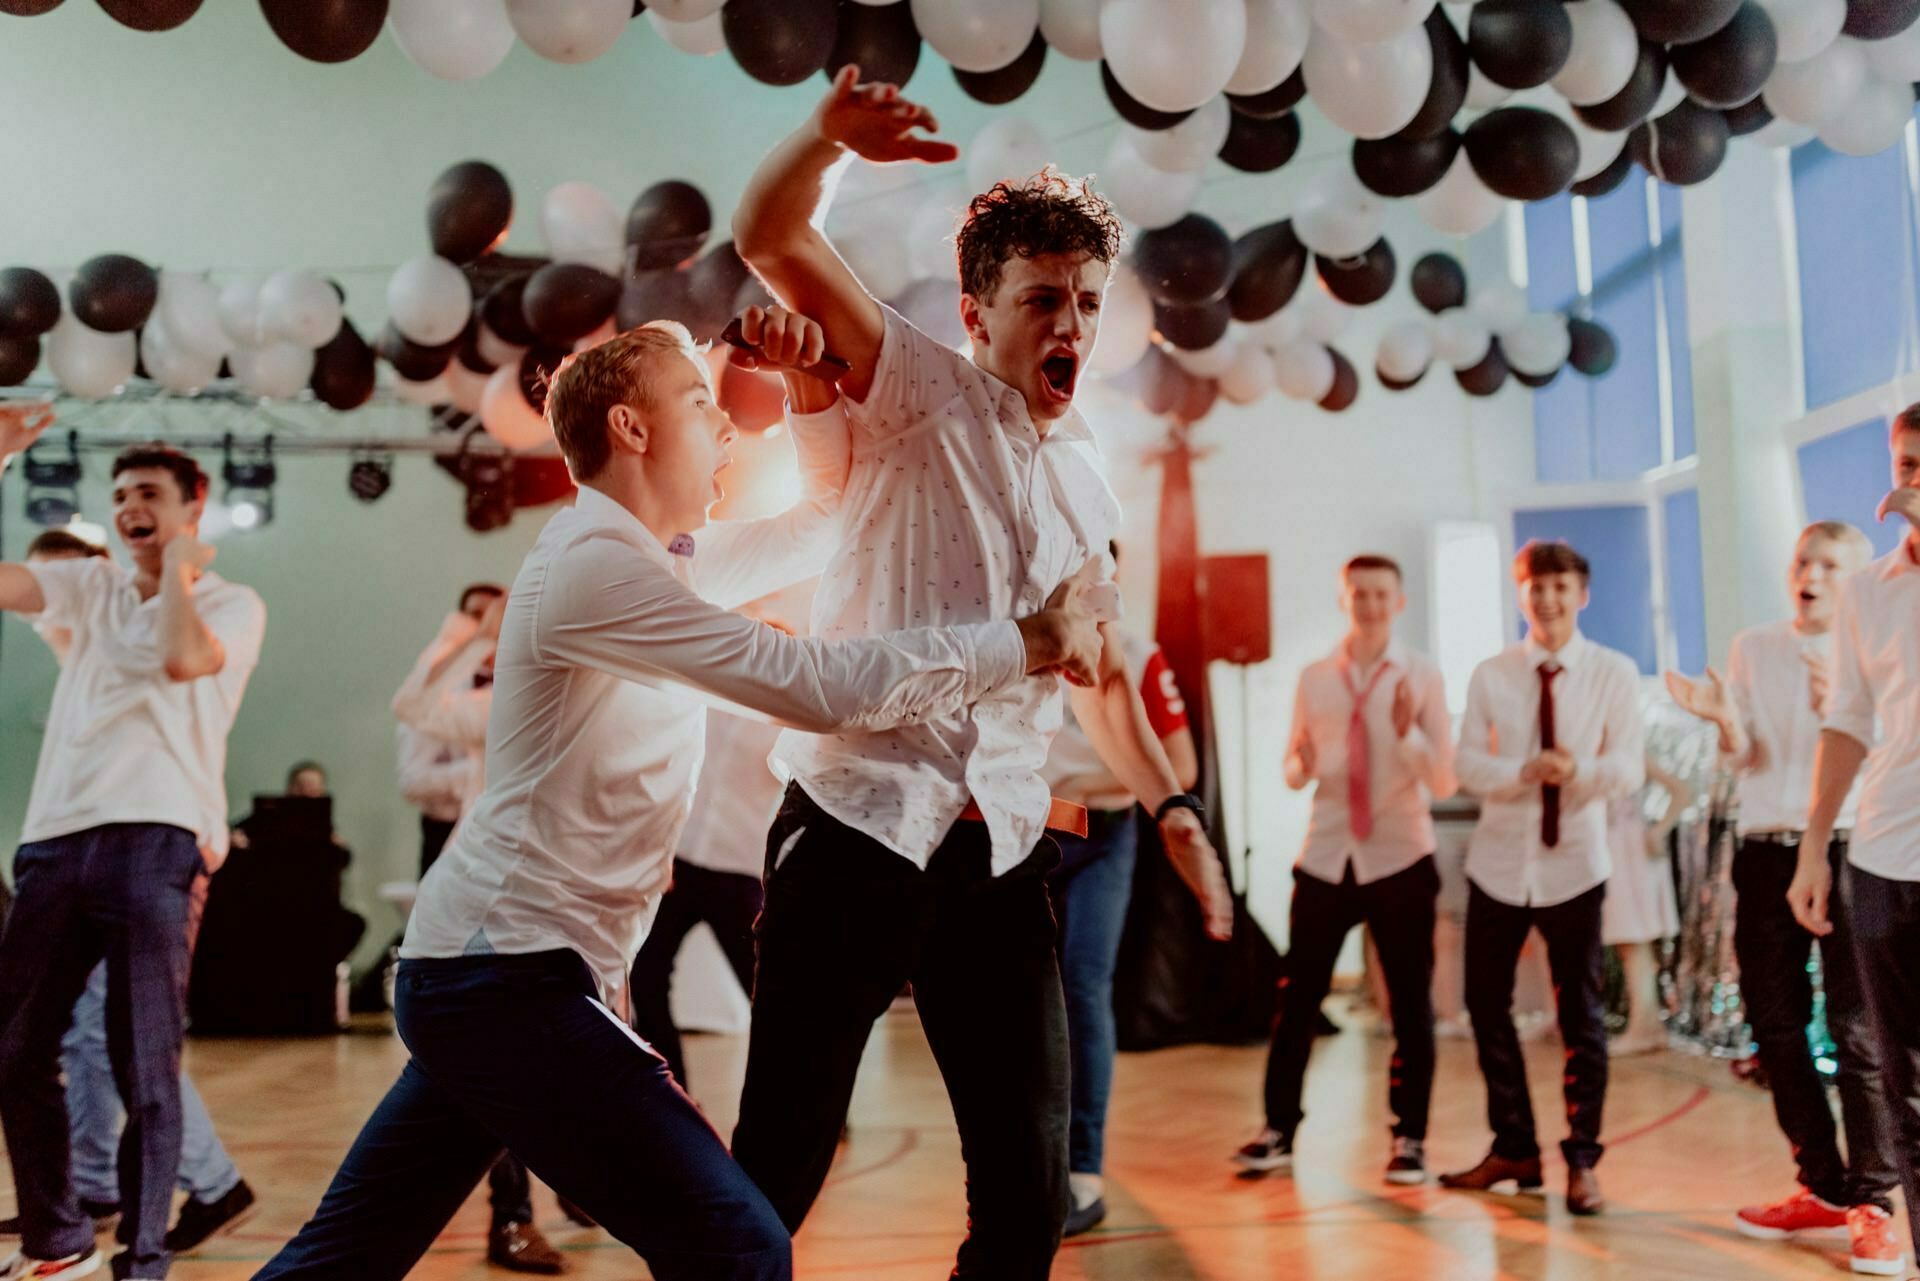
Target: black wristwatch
1181, 801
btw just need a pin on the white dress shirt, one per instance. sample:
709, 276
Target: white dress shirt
737, 798
124, 743
1405, 775
1876, 675
1597, 720
1771, 688
958, 511
597, 731
435, 778
449, 716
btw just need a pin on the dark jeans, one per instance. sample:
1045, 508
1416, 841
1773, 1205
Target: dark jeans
130, 893
727, 901
1496, 932
847, 924
1091, 889
1398, 911
1773, 951
517, 1051
1885, 917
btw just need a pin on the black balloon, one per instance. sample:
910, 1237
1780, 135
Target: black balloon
113, 293
667, 225
1186, 262
1004, 84
18, 357
1535, 381
29, 303
1607, 179
1447, 90
1272, 104
469, 208
504, 311
1399, 166
1362, 280
537, 367
1268, 264
409, 359
1635, 101
343, 370
1593, 350
1260, 146
1132, 110
1680, 21
1439, 282
881, 40
1194, 328
1398, 384
1878, 19
655, 295
326, 30
1520, 43
566, 301
150, 15
1748, 117
779, 42
1488, 376
1523, 153
1346, 384
28, 8
1730, 66
1684, 146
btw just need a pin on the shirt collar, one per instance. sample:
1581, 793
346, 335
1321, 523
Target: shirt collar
601, 510
1569, 656
1395, 655
1012, 404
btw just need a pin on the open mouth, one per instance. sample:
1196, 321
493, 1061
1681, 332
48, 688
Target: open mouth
1059, 371
137, 533
1807, 597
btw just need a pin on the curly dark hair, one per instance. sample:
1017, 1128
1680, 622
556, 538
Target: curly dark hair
1048, 213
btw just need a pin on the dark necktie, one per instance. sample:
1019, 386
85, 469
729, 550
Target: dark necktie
1549, 792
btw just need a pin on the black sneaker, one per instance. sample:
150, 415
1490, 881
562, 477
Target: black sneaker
1269, 1152
1409, 1163
1085, 1218
201, 1219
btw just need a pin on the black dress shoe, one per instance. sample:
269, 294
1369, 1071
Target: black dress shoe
1583, 1192
1494, 1170
1085, 1218
201, 1219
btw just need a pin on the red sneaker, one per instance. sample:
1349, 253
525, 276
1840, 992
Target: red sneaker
1876, 1251
1801, 1212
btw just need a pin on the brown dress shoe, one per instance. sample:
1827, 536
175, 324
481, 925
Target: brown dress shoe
519, 1247
1583, 1192
1495, 1169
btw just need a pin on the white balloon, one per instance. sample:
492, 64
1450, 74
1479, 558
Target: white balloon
1874, 120
1897, 57
433, 391
1126, 324
1606, 48
1189, 144
495, 350
452, 39
703, 37
299, 306
189, 306
1406, 350
879, 259
179, 369
1369, 90
428, 300
1145, 196
1322, 317
1782, 133
1277, 34
240, 309
1498, 304
1460, 339
581, 224
465, 387
569, 30
1170, 57
982, 35
1007, 147
87, 363
1304, 370
1538, 345
1072, 28
1281, 329
686, 10
276, 371
1483, 94
1250, 376
1459, 204
1813, 91
1369, 21
1336, 216
1209, 362
507, 416
1805, 27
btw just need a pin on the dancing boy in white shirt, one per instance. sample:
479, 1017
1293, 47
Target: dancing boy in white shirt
1552, 732
1875, 680
127, 818
523, 932
1768, 713
920, 855
1370, 728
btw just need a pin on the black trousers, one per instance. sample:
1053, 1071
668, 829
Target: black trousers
1398, 910
847, 924
1496, 933
727, 901
1885, 916
1773, 951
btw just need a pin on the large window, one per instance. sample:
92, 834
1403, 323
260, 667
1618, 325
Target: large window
1845, 475
1686, 580
1618, 542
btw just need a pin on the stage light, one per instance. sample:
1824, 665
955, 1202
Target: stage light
249, 473
488, 476
53, 484
370, 477
246, 514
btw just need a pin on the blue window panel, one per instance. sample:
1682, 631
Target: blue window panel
1553, 283
1673, 286
1626, 400
1686, 579
1618, 542
1855, 306
1844, 476
1563, 411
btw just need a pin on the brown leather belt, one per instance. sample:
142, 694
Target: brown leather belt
1062, 816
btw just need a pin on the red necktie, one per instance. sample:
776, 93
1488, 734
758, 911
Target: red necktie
1549, 792
1359, 754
